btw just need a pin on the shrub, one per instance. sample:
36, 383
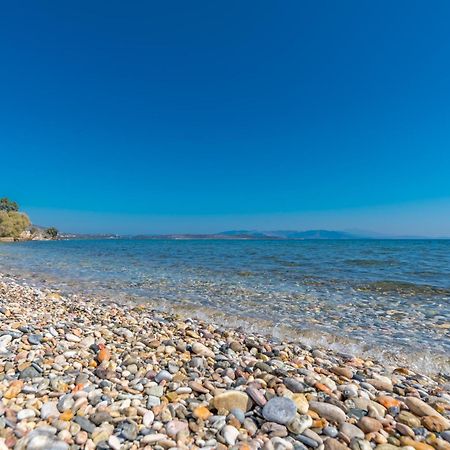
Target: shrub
13, 223
7, 205
52, 232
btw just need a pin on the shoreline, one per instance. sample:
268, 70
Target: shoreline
86, 374
422, 361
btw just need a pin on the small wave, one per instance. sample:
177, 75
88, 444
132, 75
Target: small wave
370, 262
403, 288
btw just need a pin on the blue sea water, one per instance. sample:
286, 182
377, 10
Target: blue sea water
381, 297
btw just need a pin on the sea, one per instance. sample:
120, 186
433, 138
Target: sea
385, 299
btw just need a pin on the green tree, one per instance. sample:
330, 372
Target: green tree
52, 232
13, 223
7, 205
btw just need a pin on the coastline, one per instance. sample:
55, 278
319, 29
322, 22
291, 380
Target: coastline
85, 373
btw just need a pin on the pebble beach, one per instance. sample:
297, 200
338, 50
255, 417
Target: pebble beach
80, 373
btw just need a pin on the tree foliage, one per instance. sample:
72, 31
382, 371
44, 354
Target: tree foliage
7, 205
13, 223
52, 232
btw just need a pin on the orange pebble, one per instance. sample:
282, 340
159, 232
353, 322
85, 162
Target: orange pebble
15, 388
66, 415
202, 412
322, 387
78, 387
388, 402
103, 355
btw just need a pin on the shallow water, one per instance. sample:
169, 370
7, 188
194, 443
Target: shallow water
373, 296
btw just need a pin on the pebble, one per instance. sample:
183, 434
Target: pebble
232, 399
328, 411
351, 431
280, 410
299, 424
369, 425
201, 350
128, 430
25, 414
34, 339
84, 423
49, 409
230, 434
163, 375
294, 385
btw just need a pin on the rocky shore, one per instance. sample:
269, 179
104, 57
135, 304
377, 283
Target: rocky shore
84, 374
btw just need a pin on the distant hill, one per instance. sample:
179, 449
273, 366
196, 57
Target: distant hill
293, 234
247, 235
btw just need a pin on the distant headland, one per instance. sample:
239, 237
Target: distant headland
16, 225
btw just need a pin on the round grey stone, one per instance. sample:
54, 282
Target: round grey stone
128, 430
34, 339
238, 413
294, 385
85, 424
163, 375
29, 372
281, 410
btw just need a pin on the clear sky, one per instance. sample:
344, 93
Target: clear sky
200, 116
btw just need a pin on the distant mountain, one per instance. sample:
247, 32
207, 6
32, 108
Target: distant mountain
293, 234
247, 235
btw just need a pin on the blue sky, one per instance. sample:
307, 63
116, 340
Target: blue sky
201, 116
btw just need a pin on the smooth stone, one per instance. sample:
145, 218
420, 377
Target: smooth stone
370, 425
230, 434
25, 414
381, 384
299, 424
307, 441
232, 399
173, 427
334, 444
114, 443
72, 337
163, 375
49, 409
85, 424
420, 408
65, 402
148, 419
156, 391
360, 444
330, 431
313, 435
239, 414
34, 339
153, 401
330, 412
100, 417
408, 419
5, 340
386, 447
294, 385
128, 430
256, 396
29, 372
435, 423
301, 402
201, 350
280, 410
152, 438
274, 429
351, 431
